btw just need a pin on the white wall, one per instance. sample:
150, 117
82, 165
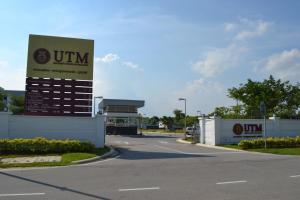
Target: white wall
53, 127
220, 131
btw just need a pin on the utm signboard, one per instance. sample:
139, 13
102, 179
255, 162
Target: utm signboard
58, 57
59, 76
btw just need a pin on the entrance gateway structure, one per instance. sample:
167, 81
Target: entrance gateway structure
122, 116
216, 131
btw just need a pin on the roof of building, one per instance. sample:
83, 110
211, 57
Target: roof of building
121, 102
18, 93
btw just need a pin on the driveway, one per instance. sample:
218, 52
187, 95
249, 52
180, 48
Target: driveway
157, 167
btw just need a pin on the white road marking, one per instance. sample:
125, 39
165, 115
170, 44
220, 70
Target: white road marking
139, 189
231, 182
209, 153
126, 142
295, 176
22, 194
163, 142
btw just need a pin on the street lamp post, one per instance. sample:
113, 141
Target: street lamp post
184, 99
263, 111
97, 97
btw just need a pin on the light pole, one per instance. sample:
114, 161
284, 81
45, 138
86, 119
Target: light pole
263, 111
184, 99
97, 97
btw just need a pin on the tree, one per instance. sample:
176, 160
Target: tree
281, 98
154, 120
179, 117
191, 120
168, 121
16, 105
2, 95
233, 112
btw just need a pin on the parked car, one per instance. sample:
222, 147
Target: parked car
189, 131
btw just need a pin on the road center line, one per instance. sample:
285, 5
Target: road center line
163, 142
295, 176
138, 189
21, 194
231, 182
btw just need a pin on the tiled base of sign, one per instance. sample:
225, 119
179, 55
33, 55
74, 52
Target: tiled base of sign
58, 97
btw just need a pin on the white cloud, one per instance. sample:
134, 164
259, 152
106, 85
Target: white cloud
285, 65
108, 58
203, 95
218, 60
102, 84
252, 29
228, 27
130, 65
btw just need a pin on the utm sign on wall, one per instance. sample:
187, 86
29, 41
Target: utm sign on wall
59, 76
247, 130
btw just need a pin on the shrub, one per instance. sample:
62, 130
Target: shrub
42, 145
272, 142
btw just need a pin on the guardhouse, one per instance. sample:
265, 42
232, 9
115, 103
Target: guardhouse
121, 116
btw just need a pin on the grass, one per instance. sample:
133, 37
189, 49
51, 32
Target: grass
232, 146
280, 151
188, 139
67, 159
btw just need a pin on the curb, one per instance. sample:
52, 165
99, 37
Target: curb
183, 141
229, 149
218, 147
209, 146
111, 153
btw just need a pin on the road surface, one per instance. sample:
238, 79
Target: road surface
157, 167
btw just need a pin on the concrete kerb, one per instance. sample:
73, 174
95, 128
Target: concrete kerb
230, 149
209, 146
111, 153
183, 141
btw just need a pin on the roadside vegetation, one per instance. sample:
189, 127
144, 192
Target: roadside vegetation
281, 98
69, 150
283, 146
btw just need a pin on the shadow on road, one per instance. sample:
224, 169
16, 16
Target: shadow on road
128, 154
54, 186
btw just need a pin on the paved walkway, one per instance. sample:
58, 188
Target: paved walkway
34, 159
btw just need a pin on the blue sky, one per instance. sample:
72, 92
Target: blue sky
161, 50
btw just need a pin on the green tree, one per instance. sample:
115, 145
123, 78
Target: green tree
191, 120
168, 121
233, 112
2, 95
281, 98
16, 105
179, 117
154, 120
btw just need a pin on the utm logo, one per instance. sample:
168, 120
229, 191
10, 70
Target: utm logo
41, 56
237, 129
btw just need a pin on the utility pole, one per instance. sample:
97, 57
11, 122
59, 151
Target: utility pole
184, 99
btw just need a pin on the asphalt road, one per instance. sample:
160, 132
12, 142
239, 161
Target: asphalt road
156, 167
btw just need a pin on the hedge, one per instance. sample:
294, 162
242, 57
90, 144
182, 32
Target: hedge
272, 142
41, 145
